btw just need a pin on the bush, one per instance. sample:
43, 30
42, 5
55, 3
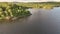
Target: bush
14, 10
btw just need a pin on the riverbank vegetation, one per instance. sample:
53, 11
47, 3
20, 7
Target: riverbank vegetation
9, 10
12, 11
46, 5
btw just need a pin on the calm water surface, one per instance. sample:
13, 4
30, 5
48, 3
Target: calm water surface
42, 21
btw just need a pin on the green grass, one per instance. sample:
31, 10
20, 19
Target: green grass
40, 4
32, 4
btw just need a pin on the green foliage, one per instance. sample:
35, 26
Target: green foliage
13, 10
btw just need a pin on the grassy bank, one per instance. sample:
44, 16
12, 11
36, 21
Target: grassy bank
40, 4
33, 4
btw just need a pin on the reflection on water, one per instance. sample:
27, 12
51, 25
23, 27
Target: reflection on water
42, 21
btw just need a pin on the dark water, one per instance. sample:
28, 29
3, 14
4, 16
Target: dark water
42, 21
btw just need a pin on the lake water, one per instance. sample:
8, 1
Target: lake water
42, 21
